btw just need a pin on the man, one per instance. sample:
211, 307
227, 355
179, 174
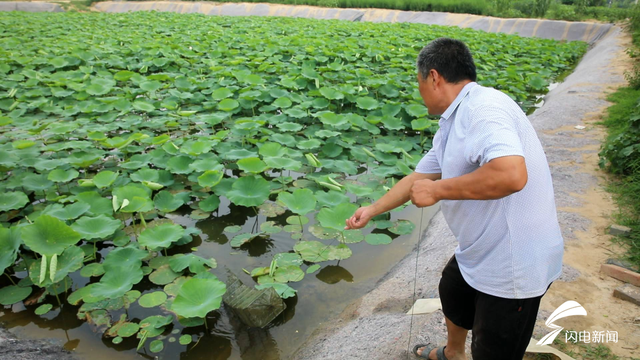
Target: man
489, 171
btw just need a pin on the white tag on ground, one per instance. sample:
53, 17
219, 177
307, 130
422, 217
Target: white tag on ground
546, 349
425, 306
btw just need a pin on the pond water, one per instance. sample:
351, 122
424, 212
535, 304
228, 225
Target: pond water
321, 295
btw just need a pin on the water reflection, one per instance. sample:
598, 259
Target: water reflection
333, 274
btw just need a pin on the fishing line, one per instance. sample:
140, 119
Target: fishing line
415, 281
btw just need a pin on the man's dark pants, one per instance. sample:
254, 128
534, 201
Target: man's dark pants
501, 328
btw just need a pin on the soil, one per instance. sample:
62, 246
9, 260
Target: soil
12, 348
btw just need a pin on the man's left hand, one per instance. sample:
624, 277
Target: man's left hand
423, 193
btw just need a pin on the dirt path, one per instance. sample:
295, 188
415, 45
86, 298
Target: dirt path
375, 327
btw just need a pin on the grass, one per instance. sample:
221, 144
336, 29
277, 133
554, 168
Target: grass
579, 351
620, 156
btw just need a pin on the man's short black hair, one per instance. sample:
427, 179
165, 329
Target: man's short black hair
450, 58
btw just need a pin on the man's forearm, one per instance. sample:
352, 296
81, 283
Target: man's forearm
399, 193
494, 180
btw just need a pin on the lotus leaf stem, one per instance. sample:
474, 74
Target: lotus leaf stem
10, 279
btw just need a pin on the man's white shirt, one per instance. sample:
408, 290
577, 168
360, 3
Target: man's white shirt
510, 247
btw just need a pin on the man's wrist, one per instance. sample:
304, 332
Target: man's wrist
438, 190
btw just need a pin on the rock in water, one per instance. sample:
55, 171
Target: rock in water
256, 308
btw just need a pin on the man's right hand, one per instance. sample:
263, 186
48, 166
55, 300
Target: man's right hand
360, 218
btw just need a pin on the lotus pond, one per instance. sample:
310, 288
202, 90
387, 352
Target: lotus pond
141, 152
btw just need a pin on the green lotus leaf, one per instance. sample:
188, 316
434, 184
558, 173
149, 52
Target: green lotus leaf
334, 218
289, 126
145, 174
420, 124
125, 258
221, 93
232, 229
323, 233
416, 110
327, 133
98, 87
331, 198
163, 275
180, 165
228, 105
312, 251
286, 259
13, 200
9, 244
210, 178
334, 120
206, 165
245, 238
123, 75
270, 227
249, 191
402, 227
288, 273
104, 179
154, 325
128, 329
296, 113
297, 220
340, 252
331, 94
367, 103
313, 268
12, 294
142, 105
68, 212
70, 261
252, 165
272, 149
167, 202
301, 201
282, 103
195, 148
309, 144
378, 239
83, 159
137, 195
184, 339
161, 236
22, 144
43, 309
49, 235
198, 297
284, 291
195, 263
93, 269
283, 163
156, 346
271, 209
152, 299
351, 236
209, 204
150, 86
115, 283
538, 83
98, 227
36, 182
392, 123
62, 176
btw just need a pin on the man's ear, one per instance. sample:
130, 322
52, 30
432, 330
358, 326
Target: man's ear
435, 78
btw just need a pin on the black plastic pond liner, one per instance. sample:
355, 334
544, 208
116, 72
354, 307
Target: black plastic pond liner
256, 308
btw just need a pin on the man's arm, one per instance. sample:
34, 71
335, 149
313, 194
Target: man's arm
398, 195
496, 179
